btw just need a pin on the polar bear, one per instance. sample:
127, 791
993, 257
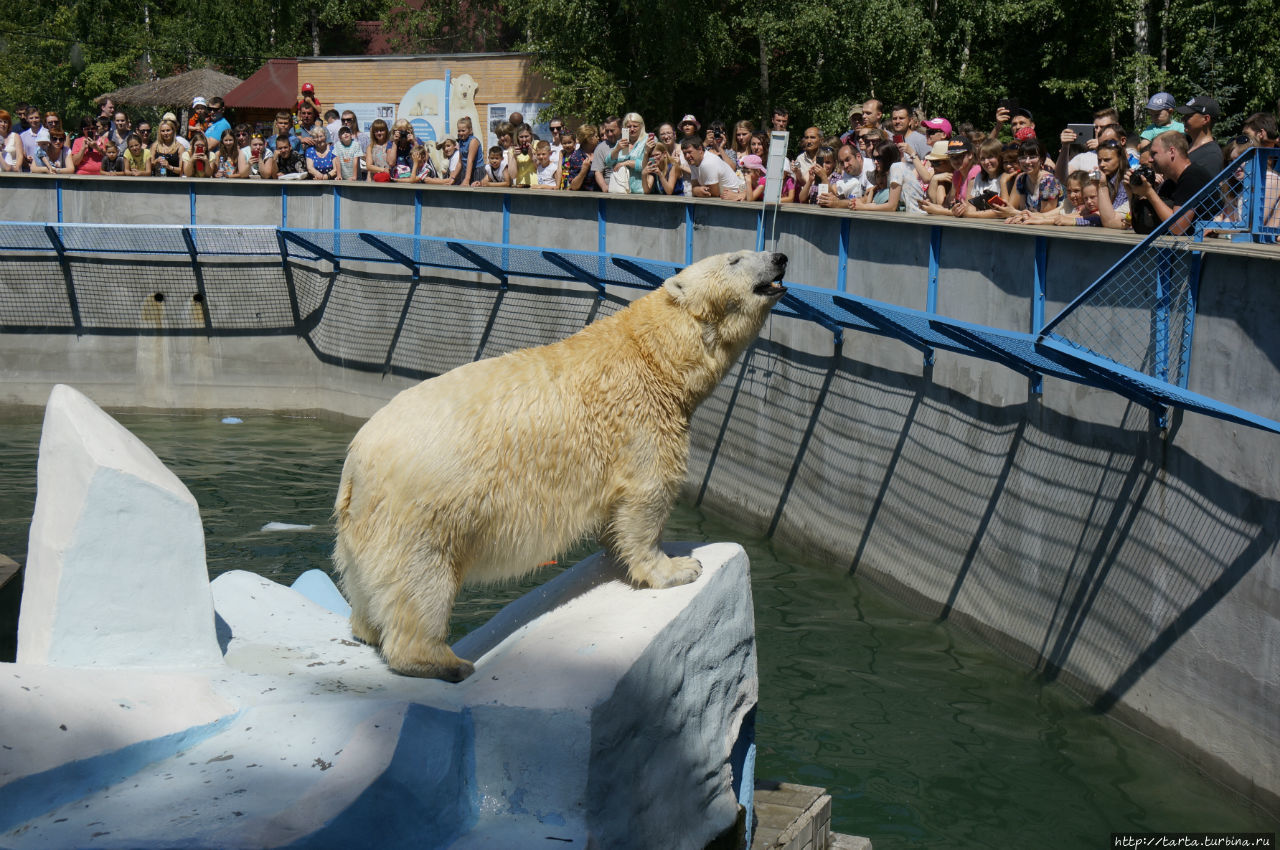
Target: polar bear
493, 468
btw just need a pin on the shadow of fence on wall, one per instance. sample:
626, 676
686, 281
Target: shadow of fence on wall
1087, 551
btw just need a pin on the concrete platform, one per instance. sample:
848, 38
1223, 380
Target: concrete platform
797, 817
241, 714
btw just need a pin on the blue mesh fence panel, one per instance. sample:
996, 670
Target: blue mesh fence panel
33, 293
1140, 313
1266, 187
1131, 328
20, 236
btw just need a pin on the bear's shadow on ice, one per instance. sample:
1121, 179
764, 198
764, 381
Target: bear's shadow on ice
593, 572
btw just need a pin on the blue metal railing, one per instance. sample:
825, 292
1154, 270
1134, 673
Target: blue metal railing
1128, 333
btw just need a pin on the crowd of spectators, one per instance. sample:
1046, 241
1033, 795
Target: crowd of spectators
1103, 174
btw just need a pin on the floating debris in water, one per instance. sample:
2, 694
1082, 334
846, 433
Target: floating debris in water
232, 420
286, 526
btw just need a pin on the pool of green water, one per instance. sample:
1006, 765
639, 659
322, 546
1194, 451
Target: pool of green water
924, 736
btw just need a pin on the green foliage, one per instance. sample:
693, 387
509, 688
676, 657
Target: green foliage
62, 54
950, 57
725, 59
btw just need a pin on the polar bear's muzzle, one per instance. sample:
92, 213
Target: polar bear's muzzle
774, 288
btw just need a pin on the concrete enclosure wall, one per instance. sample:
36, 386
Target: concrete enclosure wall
1139, 566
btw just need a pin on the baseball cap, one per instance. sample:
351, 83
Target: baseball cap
751, 162
938, 152
307, 87
690, 119
938, 124
1200, 105
1024, 112
199, 101
955, 147
1161, 100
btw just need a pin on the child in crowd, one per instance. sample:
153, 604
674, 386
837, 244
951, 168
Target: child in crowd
577, 164
520, 163
112, 161
400, 154
227, 161
449, 149
751, 167
349, 154
426, 167
495, 171
256, 156
546, 171
1079, 206
137, 159
985, 198
53, 158
195, 162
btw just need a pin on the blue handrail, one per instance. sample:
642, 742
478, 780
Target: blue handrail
1030, 354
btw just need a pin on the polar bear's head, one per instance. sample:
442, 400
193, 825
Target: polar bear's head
730, 295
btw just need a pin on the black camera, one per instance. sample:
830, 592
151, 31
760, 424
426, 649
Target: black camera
1142, 174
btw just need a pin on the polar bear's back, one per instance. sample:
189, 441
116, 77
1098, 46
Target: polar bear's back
472, 459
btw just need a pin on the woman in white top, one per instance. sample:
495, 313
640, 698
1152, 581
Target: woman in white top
12, 156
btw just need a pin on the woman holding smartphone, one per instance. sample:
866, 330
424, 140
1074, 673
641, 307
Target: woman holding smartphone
628, 156
195, 163
662, 174
400, 153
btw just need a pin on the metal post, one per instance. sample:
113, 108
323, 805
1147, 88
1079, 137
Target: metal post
1160, 315
417, 230
842, 266
935, 253
688, 232
1038, 289
602, 244
337, 219
506, 236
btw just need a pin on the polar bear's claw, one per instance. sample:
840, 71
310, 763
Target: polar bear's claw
675, 572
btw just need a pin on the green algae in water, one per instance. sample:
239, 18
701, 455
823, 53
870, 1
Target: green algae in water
923, 736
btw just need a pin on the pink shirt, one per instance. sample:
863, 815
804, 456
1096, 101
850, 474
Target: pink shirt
92, 162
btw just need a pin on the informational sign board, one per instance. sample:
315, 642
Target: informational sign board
367, 113
776, 165
531, 112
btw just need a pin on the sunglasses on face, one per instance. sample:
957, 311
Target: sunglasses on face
1110, 144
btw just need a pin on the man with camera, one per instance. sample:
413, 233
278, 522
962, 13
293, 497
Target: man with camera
1152, 204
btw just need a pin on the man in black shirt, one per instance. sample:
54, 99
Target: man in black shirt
1201, 113
1182, 179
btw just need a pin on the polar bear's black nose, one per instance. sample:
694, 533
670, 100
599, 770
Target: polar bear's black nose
780, 259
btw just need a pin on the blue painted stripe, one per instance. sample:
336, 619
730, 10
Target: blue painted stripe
32, 796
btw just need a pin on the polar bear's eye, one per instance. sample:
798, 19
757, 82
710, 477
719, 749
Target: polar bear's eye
734, 261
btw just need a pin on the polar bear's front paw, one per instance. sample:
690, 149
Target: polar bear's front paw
674, 572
